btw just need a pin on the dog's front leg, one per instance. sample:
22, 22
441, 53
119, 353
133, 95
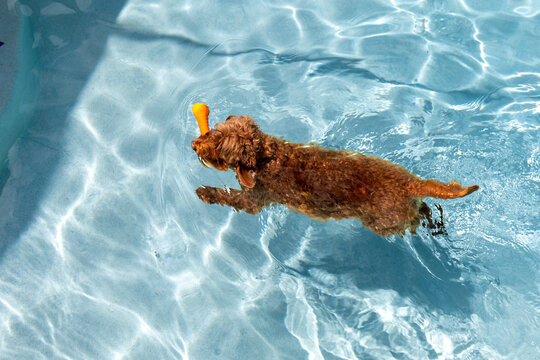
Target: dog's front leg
238, 199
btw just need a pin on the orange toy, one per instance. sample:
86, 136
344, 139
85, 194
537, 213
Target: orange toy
201, 113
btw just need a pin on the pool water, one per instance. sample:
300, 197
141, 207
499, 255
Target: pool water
107, 253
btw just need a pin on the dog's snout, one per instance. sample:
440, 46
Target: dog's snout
193, 145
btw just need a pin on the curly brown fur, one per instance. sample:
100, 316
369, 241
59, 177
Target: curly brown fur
321, 183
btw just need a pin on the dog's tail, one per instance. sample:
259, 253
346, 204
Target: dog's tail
440, 190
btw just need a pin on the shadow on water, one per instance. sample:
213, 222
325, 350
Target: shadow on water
70, 41
427, 274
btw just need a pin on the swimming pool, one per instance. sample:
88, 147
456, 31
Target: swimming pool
107, 253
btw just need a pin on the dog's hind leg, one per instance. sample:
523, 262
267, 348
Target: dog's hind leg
425, 213
441, 229
240, 200
438, 226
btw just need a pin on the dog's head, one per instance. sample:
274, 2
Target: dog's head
232, 144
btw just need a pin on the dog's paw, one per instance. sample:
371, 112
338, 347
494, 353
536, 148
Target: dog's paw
206, 194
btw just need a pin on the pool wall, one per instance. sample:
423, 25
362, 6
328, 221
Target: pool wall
21, 105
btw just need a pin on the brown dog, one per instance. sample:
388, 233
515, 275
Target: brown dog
321, 183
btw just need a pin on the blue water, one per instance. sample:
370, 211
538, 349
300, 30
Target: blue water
107, 253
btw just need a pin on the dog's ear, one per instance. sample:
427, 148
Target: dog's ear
240, 141
245, 177
247, 155
235, 149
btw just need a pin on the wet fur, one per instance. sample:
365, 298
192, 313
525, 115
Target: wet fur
321, 183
